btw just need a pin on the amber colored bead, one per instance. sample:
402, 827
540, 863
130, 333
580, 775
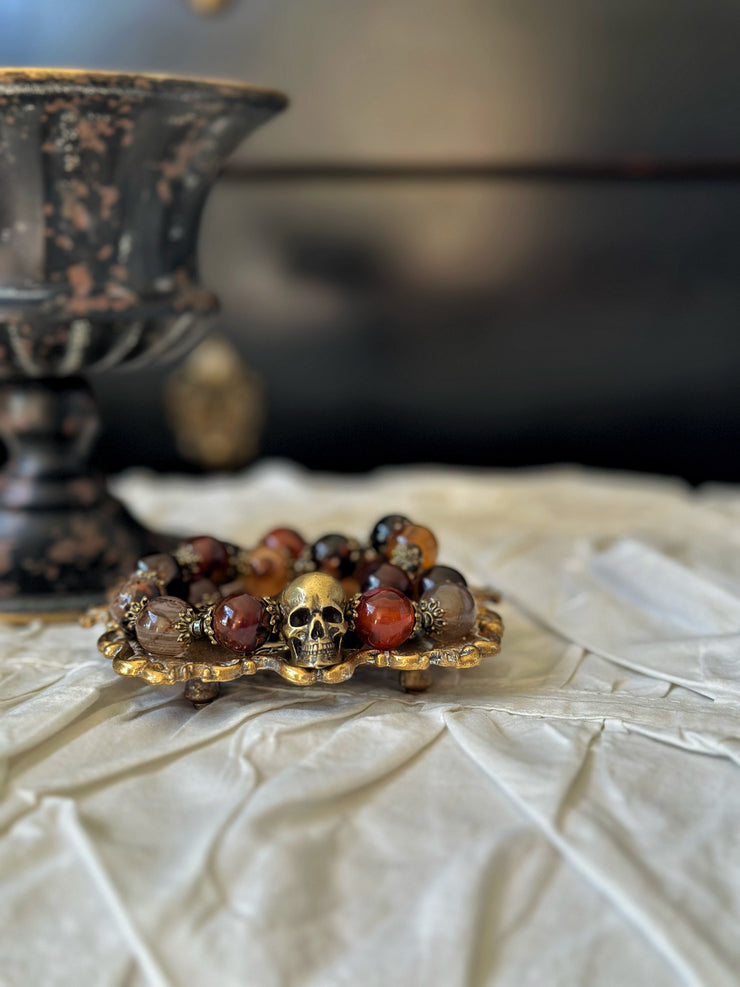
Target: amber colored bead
335, 555
385, 618
385, 527
156, 627
438, 575
238, 623
386, 574
350, 585
459, 611
212, 559
268, 572
132, 591
285, 540
413, 547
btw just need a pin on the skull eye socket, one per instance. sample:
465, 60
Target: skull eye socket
332, 616
299, 617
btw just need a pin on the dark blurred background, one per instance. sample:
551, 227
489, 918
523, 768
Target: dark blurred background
495, 232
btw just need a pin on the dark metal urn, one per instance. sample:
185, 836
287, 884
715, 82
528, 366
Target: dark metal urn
103, 178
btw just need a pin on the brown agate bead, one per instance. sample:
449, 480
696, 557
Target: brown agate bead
385, 527
132, 591
165, 567
335, 555
385, 618
267, 573
238, 623
212, 559
413, 547
385, 574
286, 540
202, 591
459, 612
156, 627
436, 576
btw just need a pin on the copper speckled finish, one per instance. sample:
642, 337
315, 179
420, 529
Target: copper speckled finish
103, 179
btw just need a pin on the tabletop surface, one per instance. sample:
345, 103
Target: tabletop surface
564, 814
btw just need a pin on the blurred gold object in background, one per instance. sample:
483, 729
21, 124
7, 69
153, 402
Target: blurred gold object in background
215, 406
209, 6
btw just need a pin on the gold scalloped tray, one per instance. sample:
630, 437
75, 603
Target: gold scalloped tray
209, 663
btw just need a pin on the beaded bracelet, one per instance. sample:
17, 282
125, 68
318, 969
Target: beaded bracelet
212, 612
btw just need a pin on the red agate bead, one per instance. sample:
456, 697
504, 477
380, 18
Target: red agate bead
286, 540
156, 627
211, 559
238, 623
385, 618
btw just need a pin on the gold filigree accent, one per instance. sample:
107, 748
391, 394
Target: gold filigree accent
350, 612
407, 557
129, 618
273, 615
243, 562
188, 559
430, 618
184, 626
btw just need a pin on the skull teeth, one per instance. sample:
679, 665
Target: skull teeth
318, 649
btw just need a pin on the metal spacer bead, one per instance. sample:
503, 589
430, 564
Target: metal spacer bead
129, 618
350, 613
430, 618
242, 561
184, 626
273, 615
187, 558
194, 625
407, 557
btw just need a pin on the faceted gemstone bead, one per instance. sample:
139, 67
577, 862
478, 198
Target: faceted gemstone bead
156, 629
385, 574
385, 527
202, 591
268, 572
166, 568
285, 540
211, 559
132, 591
412, 547
437, 575
238, 623
385, 618
335, 555
458, 611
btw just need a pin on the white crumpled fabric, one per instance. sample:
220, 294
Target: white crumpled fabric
566, 814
